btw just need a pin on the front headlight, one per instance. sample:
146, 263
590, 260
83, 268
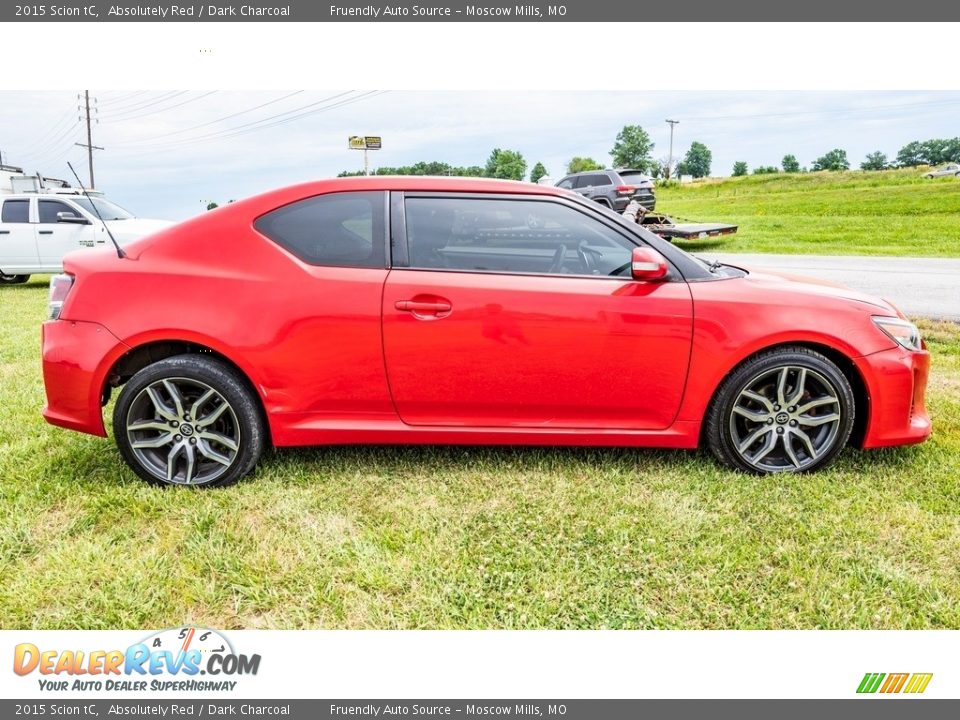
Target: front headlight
902, 332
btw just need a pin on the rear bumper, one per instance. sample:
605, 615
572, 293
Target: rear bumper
76, 359
646, 198
896, 382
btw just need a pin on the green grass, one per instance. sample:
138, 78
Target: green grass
407, 537
896, 212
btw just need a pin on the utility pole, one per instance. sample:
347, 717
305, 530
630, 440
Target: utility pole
89, 144
670, 159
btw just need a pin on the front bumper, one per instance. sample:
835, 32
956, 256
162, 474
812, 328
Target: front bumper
76, 359
896, 381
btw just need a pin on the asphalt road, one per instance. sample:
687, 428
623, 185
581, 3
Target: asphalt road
922, 287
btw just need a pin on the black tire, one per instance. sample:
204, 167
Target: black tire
240, 422
13, 279
726, 429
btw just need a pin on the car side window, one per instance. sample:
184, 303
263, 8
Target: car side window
15, 211
601, 179
339, 230
566, 184
48, 210
512, 236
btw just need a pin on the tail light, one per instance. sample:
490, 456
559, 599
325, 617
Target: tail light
626, 189
59, 288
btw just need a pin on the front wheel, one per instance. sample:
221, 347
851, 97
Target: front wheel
189, 420
13, 279
784, 410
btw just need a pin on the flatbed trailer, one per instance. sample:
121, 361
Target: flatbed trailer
667, 228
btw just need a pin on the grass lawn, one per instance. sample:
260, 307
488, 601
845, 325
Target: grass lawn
471, 538
896, 212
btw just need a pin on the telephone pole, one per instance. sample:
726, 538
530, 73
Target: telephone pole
670, 159
89, 144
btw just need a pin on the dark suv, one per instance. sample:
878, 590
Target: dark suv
613, 188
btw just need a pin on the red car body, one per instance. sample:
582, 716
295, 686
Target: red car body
336, 355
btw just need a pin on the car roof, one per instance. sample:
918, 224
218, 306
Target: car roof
590, 172
414, 183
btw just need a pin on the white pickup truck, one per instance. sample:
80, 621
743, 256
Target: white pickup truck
38, 228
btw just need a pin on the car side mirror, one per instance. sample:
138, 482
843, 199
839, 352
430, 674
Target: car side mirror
647, 264
67, 217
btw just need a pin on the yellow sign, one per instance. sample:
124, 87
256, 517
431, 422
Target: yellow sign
365, 142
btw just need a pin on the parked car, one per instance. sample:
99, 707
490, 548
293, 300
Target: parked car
951, 169
37, 230
613, 188
451, 310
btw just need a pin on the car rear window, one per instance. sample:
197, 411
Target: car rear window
634, 178
15, 211
338, 230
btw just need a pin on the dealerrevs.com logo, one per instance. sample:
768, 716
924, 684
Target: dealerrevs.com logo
893, 683
178, 659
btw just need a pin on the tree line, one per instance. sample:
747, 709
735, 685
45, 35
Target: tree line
914, 154
633, 148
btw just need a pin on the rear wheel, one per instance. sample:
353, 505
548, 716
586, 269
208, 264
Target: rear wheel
13, 279
785, 410
189, 420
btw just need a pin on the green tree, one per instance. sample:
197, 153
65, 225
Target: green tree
539, 171
582, 164
739, 168
836, 159
875, 161
633, 149
697, 160
506, 164
911, 155
432, 167
790, 164
212, 205
765, 170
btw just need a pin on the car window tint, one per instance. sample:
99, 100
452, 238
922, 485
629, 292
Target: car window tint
340, 229
513, 236
15, 211
633, 178
48, 210
566, 184
601, 179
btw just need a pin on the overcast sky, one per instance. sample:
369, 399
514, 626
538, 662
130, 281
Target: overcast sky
167, 153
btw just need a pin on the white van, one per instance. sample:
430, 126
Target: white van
38, 229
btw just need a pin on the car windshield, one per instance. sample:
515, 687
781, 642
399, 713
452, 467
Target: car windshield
106, 209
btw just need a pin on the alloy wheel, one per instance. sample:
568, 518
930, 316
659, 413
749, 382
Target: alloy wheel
785, 419
183, 431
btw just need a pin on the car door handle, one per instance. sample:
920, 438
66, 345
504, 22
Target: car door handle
4, 232
45, 232
417, 306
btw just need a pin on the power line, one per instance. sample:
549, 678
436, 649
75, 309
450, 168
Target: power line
53, 144
229, 132
143, 106
221, 119
123, 98
169, 107
242, 130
